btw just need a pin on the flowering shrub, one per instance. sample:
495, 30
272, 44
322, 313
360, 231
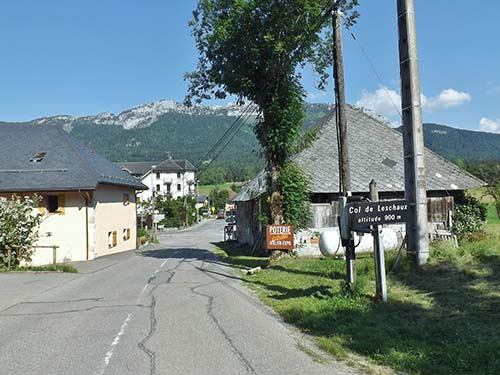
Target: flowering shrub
469, 216
19, 222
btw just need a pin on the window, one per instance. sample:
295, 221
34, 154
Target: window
52, 203
178, 187
157, 187
169, 188
112, 239
157, 176
126, 199
126, 234
138, 200
37, 157
178, 174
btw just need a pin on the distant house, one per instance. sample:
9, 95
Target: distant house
175, 178
88, 205
376, 152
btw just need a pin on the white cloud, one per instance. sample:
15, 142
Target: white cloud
489, 125
446, 99
386, 102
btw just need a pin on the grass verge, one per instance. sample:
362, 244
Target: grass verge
443, 318
49, 268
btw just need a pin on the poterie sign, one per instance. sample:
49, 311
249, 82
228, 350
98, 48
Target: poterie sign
361, 215
280, 237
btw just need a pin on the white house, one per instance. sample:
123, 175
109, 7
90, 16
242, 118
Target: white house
175, 178
88, 205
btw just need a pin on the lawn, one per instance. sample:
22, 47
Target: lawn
441, 319
206, 189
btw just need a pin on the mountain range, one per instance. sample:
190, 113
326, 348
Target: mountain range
163, 129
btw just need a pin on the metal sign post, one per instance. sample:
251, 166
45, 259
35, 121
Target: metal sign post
363, 216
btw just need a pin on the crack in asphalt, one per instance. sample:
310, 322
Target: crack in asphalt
72, 311
152, 316
152, 330
210, 305
50, 302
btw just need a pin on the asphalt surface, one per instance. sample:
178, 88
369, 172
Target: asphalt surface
171, 308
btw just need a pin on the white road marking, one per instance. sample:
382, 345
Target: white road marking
115, 342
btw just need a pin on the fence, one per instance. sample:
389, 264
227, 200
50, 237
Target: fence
54, 254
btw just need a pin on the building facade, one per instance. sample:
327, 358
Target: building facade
174, 178
88, 205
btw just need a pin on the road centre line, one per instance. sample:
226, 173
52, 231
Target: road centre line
115, 342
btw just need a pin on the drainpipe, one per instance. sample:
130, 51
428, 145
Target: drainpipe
86, 197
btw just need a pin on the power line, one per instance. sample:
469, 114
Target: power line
321, 19
380, 80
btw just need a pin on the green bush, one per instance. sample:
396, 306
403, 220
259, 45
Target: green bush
469, 216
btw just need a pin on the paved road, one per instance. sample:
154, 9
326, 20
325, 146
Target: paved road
168, 309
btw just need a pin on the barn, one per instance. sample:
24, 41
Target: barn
376, 153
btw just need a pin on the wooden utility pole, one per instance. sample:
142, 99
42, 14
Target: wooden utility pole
340, 107
413, 134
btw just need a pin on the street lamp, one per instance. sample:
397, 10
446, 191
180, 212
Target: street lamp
153, 203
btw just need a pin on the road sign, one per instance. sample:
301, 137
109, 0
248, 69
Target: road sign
280, 237
361, 215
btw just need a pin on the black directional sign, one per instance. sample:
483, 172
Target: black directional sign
361, 215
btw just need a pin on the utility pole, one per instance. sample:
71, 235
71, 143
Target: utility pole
413, 134
340, 108
378, 249
153, 208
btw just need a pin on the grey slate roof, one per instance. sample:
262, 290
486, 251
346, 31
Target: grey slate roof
140, 168
375, 152
67, 165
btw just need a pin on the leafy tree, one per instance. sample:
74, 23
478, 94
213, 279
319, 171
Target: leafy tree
219, 198
252, 49
19, 221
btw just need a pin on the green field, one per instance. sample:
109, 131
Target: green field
206, 189
441, 319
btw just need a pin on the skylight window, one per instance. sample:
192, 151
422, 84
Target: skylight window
38, 157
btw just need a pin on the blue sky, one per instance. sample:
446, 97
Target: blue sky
86, 57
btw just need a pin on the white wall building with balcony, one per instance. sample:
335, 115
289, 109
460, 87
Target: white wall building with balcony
175, 178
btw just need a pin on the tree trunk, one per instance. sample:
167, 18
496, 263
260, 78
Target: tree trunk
276, 199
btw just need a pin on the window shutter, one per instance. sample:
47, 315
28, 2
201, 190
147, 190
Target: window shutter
41, 205
62, 203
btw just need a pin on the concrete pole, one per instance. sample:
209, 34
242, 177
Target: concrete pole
413, 135
340, 107
378, 248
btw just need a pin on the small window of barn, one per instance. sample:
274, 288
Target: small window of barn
38, 157
126, 199
52, 203
158, 176
178, 174
178, 187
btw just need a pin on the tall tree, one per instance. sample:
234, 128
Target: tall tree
254, 49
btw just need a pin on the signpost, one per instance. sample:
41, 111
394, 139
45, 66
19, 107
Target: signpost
280, 237
364, 216
361, 215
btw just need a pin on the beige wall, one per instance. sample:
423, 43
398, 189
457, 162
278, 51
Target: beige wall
111, 215
65, 229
